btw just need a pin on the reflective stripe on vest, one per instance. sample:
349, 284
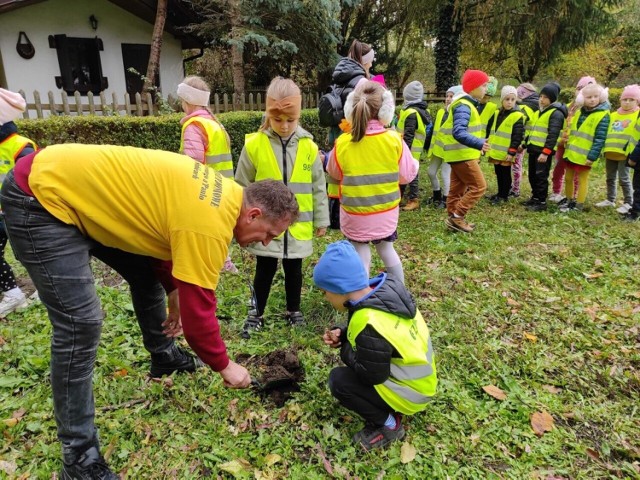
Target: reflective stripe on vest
500, 138
370, 172
436, 147
260, 153
581, 139
623, 134
420, 135
10, 148
487, 112
540, 127
218, 154
413, 380
452, 150
333, 187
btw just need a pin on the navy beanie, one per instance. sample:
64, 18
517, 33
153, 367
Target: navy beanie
340, 269
551, 90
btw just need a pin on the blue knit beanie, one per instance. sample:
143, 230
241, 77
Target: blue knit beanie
340, 269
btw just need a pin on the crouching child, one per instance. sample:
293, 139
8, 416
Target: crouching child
390, 365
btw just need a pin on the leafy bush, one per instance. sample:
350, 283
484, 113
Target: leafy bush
162, 132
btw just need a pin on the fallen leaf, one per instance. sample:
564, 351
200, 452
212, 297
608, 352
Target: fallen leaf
272, 459
10, 422
325, 463
120, 373
8, 467
2, 341
512, 302
18, 414
541, 422
591, 276
407, 452
236, 467
551, 299
495, 392
593, 454
551, 389
530, 337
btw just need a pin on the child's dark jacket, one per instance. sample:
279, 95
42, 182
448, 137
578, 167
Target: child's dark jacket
371, 360
411, 123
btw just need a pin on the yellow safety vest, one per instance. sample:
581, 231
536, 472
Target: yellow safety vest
413, 380
435, 149
10, 148
258, 148
370, 172
420, 135
487, 112
623, 134
452, 150
218, 154
528, 114
500, 138
540, 127
581, 139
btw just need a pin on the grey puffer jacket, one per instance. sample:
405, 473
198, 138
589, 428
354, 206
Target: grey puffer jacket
285, 152
371, 359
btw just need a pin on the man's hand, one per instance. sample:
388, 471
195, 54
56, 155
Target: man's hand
631, 163
332, 337
235, 376
173, 325
589, 163
485, 147
543, 158
321, 232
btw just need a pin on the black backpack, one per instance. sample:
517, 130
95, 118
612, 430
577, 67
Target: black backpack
331, 104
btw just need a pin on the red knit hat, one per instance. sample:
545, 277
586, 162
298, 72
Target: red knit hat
472, 79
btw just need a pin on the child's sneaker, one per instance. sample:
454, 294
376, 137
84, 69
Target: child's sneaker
571, 206
606, 203
556, 198
631, 216
253, 322
12, 303
623, 209
371, 437
294, 318
514, 194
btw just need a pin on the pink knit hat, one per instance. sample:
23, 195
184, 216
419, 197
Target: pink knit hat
631, 91
584, 81
11, 106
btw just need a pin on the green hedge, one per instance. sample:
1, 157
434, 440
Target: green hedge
162, 132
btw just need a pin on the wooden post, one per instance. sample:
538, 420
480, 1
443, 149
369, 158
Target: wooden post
52, 104
259, 98
36, 100
25, 114
243, 105
114, 99
216, 103
78, 99
149, 99
127, 105
65, 103
92, 109
251, 101
139, 111
225, 102
103, 103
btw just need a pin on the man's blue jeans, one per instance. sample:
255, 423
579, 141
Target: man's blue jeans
57, 257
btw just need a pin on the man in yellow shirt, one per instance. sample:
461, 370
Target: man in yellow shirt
159, 219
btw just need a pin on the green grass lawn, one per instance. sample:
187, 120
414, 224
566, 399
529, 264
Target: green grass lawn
544, 306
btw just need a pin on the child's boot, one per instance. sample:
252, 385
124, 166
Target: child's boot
253, 322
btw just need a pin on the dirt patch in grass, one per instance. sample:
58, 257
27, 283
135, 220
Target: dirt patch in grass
277, 374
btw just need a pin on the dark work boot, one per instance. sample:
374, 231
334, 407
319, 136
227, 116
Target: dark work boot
89, 466
175, 360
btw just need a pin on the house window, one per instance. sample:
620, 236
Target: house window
135, 58
80, 67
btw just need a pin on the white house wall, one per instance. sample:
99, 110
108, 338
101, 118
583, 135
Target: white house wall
71, 18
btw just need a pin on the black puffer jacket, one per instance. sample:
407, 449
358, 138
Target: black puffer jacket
371, 360
346, 75
517, 133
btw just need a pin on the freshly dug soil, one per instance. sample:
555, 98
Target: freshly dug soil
278, 374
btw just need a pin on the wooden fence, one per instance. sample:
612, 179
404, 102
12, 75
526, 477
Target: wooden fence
144, 105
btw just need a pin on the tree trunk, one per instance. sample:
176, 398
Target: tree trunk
447, 49
237, 50
156, 46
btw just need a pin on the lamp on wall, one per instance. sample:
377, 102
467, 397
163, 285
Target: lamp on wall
94, 22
